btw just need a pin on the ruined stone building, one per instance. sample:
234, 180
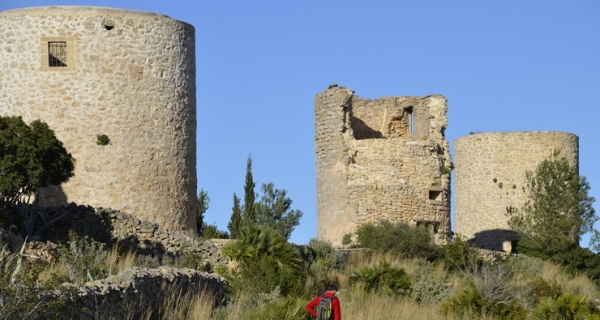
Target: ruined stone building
130, 75
489, 176
381, 159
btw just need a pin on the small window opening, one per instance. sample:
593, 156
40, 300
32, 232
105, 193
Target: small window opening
435, 195
411, 120
57, 54
432, 226
108, 24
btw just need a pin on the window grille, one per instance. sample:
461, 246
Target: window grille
57, 54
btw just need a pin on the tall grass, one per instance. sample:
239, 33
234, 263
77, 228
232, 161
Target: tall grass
116, 261
577, 285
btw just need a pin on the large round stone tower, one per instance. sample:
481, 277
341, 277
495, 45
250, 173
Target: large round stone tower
381, 159
130, 75
489, 176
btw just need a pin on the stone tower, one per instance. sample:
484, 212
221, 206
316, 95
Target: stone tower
381, 159
489, 176
89, 71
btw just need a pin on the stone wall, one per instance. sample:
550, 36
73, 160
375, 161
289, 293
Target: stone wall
135, 292
490, 175
127, 74
109, 225
381, 159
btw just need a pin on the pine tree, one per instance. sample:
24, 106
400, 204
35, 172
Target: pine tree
249, 213
235, 222
559, 210
203, 201
274, 210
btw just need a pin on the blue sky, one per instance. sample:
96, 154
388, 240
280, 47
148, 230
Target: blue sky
503, 65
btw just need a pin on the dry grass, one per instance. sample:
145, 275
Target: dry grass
115, 262
118, 262
577, 285
190, 306
357, 305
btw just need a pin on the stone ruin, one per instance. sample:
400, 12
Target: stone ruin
381, 159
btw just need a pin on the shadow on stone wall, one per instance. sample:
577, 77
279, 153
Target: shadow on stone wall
53, 196
82, 220
362, 131
494, 239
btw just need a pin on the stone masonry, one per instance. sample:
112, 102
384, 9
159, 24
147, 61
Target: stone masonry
135, 293
89, 71
381, 159
490, 175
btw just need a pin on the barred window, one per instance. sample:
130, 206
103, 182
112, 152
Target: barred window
57, 54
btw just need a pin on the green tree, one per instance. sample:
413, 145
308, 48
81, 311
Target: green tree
262, 261
249, 214
31, 157
559, 210
211, 231
203, 201
235, 222
274, 210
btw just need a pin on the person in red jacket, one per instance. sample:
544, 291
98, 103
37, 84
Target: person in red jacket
336, 310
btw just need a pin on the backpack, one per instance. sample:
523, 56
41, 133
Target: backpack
324, 308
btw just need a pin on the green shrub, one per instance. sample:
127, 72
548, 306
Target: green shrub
540, 288
565, 307
85, 259
326, 255
399, 239
262, 261
384, 277
492, 290
347, 239
471, 301
23, 296
103, 140
459, 254
425, 288
322, 259
211, 231
579, 260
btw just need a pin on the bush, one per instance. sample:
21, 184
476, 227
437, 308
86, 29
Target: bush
399, 239
22, 296
471, 301
85, 259
212, 232
384, 277
492, 290
425, 288
347, 239
459, 254
322, 259
565, 307
262, 261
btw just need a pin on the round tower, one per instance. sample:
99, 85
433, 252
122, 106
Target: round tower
129, 75
489, 177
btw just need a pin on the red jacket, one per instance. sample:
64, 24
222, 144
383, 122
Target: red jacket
335, 305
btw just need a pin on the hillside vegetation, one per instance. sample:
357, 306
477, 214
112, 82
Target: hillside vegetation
387, 270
